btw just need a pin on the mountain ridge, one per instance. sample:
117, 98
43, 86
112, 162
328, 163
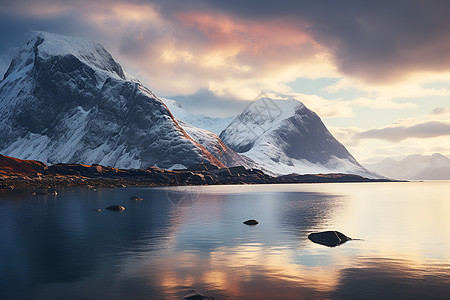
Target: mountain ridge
66, 100
414, 167
59, 106
283, 136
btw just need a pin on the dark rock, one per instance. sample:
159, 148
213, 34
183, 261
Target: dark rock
256, 172
116, 207
223, 172
194, 295
196, 179
64, 169
203, 167
135, 198
328, 238
44, 192
14, 166
237, 170
251, 222
184, 176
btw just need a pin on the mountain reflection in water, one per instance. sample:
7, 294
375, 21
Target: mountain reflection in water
192, 238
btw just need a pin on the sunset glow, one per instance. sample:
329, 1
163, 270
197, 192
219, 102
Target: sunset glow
361, 75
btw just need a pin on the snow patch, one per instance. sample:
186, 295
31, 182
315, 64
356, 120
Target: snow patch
177, 167
214, 125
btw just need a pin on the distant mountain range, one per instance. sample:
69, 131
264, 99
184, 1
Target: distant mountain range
66, 100
414, 167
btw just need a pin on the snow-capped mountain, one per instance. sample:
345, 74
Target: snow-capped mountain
65, 99
215, 125
216, 147
414, 167
199, 128
285, 137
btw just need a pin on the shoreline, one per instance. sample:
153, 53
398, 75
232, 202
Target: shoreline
27, 174
49, 182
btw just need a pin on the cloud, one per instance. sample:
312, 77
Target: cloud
181, 48
239, 48
380, 41
366, 145
323, 107
429, 129
441, 111
206, 102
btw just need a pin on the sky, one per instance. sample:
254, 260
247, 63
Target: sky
376, 72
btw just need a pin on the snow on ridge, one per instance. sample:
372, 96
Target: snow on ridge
65, 100
44, 45
284, 137
216, 147
91, 53
259, 118
214, 125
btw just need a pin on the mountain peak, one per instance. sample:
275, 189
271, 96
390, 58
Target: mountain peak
285, 137
66, 100
43, 46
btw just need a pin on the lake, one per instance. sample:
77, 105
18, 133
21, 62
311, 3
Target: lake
183, 238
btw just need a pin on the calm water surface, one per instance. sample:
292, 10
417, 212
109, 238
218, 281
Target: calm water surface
178, 239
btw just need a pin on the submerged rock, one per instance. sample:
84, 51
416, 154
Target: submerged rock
251, 222
44, 192
328, 238
135, 198
116, 207
194, 295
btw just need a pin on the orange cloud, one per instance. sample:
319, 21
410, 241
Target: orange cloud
223, 30
182, 52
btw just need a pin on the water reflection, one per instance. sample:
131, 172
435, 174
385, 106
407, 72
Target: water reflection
51, 240
393, 278
180, 239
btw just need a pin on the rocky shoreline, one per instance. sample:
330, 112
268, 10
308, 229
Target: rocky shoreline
26, 174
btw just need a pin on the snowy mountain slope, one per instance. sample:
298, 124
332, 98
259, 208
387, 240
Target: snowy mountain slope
196, 126
214, 125
216, 147
414, 167
286, 137
65, 99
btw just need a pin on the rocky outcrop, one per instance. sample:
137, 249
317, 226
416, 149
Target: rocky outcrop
194, 295
116, 207
251, 222
16, 173
329, 238
14, 166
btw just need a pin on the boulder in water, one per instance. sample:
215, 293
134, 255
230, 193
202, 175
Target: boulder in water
135, 198
194, 295
116, 207
251, 222
328, 238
